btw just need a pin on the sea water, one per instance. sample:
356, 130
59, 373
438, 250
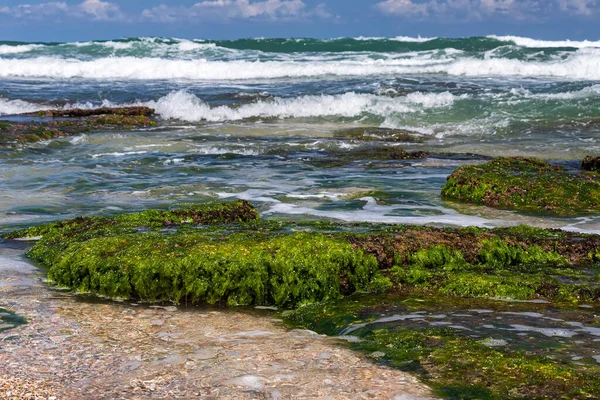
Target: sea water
253, 118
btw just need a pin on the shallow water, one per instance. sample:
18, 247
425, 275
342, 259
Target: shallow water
569, 334
257, 119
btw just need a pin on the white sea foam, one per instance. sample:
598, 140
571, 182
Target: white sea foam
186, 106
529, 42
22, 48
417, 39
582, 64
19, 106
589, 91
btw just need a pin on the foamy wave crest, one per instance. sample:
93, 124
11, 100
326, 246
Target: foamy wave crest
185, 106
159, 68
22, 48
409, 39
590, 91
17, 106
528, 42
583, 64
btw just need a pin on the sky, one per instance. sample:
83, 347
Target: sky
229, 19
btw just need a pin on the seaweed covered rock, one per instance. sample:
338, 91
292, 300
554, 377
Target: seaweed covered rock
525, 184
591, 163
73, 122
189, 255
511, 263
81, 113
163, 256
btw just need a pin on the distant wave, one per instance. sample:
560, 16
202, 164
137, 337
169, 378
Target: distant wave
16, 49
176, 47
583, 64
528, 42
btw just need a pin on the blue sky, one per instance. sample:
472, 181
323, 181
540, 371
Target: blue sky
58, 20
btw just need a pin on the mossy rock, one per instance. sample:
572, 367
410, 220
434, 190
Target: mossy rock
81, 121
591, 163
381, 134
82, 113
153, 255
525, 184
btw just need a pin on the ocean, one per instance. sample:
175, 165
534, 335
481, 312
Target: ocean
259, 119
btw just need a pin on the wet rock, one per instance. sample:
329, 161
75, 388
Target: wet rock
591, 163
337, 158
81, 113
72, 122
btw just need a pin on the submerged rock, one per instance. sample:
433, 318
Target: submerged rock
381, 134
80, 113
338, 158
72, 122
525, 184
591, 163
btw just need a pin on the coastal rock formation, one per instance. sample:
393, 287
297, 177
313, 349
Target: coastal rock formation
271, 263
82, 113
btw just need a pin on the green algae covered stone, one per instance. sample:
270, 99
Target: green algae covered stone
525, 184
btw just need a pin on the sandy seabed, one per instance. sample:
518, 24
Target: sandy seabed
75, 349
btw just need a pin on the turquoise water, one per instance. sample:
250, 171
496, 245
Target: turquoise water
259, 118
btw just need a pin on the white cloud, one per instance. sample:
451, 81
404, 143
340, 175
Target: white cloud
480, 9
101, 10
35, 11
94, 9
235, 9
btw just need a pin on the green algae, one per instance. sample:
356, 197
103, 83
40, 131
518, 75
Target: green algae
456, 363
525, 184
157, 256
282, 270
